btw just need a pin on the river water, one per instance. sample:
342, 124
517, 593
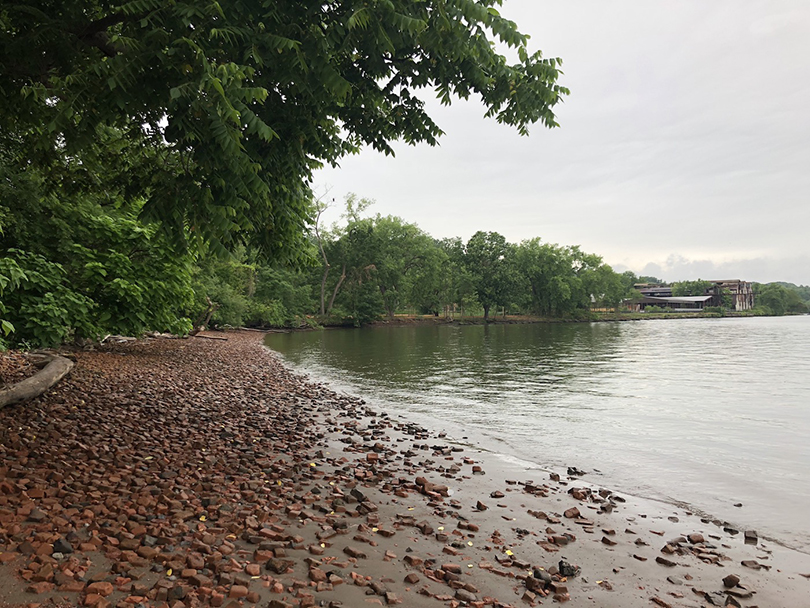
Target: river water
708, 413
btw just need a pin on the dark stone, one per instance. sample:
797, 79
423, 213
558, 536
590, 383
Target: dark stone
178, 592
542, 575
62, 546
568, 570
465, 596
37, 516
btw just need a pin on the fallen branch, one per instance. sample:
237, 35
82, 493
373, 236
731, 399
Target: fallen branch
36, 384
208, 337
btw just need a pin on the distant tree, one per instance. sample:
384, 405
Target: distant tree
778, 299
691, 288
490, 261
458, 288
803, 291
429, 283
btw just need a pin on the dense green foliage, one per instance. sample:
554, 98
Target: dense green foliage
374, 267
782, 298
75, 267
235, 104
691, 288
159, 133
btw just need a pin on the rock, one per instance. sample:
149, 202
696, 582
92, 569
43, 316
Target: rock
62, 546
541, 575
354, 552
101, 588
40, 587
572, 513
238, 591
665, 562
37, 516
279, 566
696, 538
730, 581
568, 570
465, 596
178, 592
751, 537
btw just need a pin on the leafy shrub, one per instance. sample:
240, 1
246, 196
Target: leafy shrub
70, 268
267, 314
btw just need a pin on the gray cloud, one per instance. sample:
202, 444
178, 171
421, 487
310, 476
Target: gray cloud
686, 130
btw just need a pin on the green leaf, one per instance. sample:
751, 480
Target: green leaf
7, 327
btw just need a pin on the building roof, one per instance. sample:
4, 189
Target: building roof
680, 299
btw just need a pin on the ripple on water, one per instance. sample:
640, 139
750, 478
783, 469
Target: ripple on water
710, 411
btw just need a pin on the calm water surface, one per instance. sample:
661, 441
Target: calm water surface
706, 412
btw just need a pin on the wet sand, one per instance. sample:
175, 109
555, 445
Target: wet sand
203, 473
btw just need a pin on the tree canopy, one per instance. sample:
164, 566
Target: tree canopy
221, 111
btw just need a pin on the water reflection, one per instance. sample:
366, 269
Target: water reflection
713, 412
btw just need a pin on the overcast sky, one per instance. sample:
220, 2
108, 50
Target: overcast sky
683, 151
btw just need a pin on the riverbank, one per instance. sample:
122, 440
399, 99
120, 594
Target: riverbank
598, 317
202, 472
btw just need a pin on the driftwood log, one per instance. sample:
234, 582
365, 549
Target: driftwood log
37, 384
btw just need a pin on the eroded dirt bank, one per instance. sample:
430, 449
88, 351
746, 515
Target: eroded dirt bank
197, 472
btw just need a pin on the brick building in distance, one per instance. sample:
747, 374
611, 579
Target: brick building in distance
742, 294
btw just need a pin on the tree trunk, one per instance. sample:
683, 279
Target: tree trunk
205, 318
323, 289
486, 313
36, 384
326, 265
337, 288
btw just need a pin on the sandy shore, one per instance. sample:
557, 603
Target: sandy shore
201, 472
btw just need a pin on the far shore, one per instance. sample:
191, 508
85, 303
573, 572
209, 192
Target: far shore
433, 320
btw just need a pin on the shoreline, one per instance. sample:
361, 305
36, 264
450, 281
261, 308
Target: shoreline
247, 463
718, 485
429, 320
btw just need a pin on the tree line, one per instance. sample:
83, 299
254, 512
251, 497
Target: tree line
75, 267
375, 267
